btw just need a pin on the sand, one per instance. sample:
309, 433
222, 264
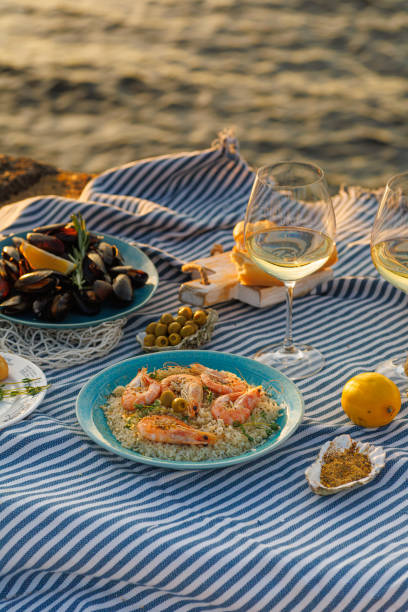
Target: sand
93, 84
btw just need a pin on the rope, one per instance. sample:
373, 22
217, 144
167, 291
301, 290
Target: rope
60, 348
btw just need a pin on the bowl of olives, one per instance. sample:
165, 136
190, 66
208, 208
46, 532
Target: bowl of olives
187, 329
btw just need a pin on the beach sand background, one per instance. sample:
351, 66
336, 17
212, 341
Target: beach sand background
98, 83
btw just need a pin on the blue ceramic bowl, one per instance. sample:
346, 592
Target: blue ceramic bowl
94, 393
134, 257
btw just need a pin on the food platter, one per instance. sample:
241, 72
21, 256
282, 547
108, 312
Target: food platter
134, 257
14, 409
96, 390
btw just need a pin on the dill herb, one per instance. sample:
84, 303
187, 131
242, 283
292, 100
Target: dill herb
29, 388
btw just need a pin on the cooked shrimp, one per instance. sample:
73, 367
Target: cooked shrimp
189, 387
166, 428
142, 389
220, 381
235, 407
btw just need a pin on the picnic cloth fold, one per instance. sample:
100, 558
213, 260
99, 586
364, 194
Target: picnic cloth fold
82, 529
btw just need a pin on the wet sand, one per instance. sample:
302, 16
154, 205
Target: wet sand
90, 85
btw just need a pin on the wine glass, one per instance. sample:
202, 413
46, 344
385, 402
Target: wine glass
389, 252
289, 233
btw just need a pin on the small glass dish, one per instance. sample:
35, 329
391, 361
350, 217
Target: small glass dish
376, 455
202, 336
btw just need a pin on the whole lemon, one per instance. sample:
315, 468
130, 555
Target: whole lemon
371, 399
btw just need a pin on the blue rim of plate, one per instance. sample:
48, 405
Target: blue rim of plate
95, 391
132, 256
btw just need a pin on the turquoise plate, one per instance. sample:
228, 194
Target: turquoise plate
94, 393
134, 257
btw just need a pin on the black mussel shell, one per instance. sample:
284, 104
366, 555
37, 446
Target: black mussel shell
49, 229
15, 305
40, 307
117, 256
11, 270
102, 289
93, 267
107, 252
23, 267
137, 277
38, 281
3, 270
86, 302
4, 288
60, 306
11, 253
122, 289
47, 242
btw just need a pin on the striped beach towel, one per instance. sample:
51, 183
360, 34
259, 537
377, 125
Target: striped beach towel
84, 530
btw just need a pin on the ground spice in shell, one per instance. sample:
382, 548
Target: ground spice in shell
343, 466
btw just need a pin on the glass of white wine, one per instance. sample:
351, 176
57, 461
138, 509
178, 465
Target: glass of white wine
389, 252
289, 232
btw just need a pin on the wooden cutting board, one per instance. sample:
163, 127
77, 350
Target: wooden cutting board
224, 285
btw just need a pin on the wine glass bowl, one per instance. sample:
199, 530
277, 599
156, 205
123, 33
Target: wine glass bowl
389, 252
289, 232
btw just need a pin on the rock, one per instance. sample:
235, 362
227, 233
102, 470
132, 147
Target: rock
22, 177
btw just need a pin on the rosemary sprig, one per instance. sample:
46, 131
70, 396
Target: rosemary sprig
79, 252
29, 388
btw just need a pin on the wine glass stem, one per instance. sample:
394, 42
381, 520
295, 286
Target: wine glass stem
288, 342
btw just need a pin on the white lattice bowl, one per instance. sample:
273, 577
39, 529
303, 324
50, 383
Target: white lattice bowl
376, 454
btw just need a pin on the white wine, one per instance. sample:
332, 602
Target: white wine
390, 257
289, 253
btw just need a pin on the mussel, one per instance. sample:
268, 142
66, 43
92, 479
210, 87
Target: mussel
4, 288
106, 251
137, 277
47, 242
10, 253
60, 306
93, 267
38, 281
122, 289
86, 302
15, 305
102, 289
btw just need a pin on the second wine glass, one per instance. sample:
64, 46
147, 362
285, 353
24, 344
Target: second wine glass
289, 233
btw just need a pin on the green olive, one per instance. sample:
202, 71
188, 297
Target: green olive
149, 340
160, 329
151, 327
174, 328
180, 320
179, 404
187, 330
200, 317
167, 398
185, 311
174, 339
162, 341
166, 318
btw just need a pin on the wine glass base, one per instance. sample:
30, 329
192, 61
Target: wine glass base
301, 361
394, 370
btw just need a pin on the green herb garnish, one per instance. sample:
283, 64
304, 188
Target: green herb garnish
79, 252
209, 395
29, 388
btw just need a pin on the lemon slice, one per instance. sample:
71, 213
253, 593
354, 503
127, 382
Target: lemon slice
39, 259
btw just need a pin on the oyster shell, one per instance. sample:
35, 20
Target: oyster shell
202, 336
376, 455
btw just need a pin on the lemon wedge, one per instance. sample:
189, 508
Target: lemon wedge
40, 259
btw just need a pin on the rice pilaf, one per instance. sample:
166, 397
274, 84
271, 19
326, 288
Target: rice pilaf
232, 439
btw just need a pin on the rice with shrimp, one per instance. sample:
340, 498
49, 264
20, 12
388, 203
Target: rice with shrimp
232, 439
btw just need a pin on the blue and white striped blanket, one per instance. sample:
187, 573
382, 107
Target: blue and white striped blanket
85, 530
